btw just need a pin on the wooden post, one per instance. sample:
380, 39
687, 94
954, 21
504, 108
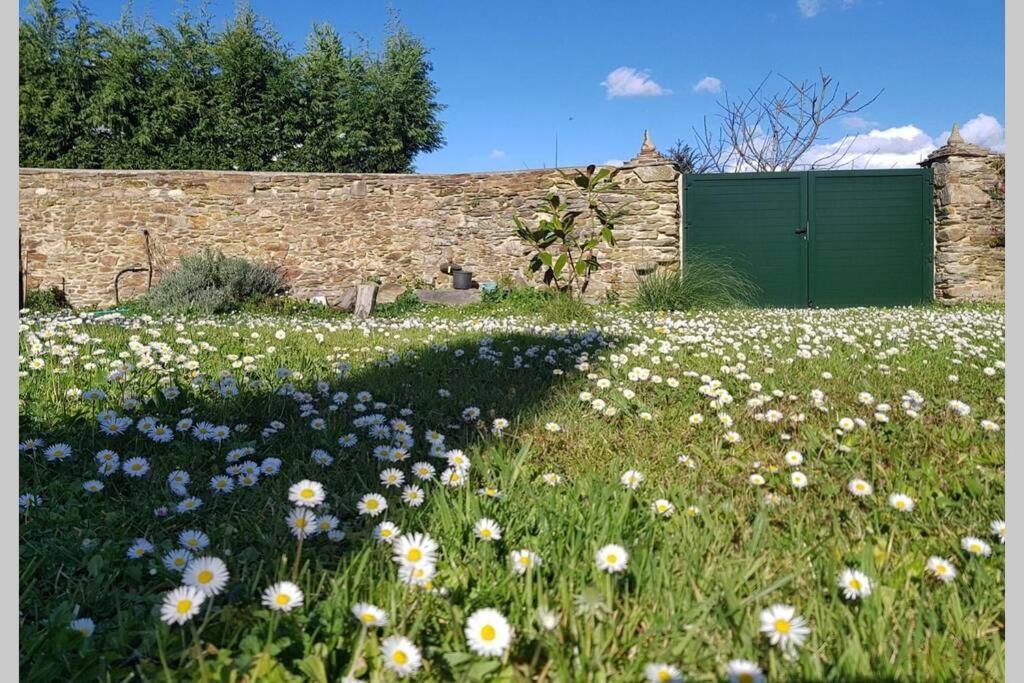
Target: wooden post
366, 298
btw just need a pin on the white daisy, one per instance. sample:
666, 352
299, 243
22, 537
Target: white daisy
369, 615
181, 604
524, 560
612, 559
855, 584
414, 549
998, 527
901, 502
487, 530
306, 493
488, 633
372, 504
208, 574
663, 507
662, 673
941, 569
975, 546
385, 532
784, 627
859, 487
301, 522
84, 625
400, 655
744, 671
283, 596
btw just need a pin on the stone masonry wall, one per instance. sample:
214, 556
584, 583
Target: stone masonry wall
79, 228
970, 231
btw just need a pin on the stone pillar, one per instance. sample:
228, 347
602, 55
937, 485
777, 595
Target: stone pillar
647, 238
969, 186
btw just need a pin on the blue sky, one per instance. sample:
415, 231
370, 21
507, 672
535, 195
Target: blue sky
514, 74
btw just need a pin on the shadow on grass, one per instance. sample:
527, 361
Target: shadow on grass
73, 548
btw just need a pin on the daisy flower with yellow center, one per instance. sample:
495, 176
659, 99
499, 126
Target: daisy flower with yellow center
524, 560
306, 493
975, 546
301, 522
859, 487
662, 673
181, 604
941, 569
372, 504
400, 655
207, 574
385, 532
487, 530
488, 633
854, 584
744, 671
612, 559
414, 549
283, 596
369, 615
901, 502
663, 507
784, 627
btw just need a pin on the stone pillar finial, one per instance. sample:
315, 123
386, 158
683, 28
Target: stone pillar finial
954, 136
647, 145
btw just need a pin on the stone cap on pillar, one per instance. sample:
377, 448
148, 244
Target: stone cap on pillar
648, 154
955, 146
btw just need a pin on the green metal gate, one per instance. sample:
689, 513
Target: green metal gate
818, 238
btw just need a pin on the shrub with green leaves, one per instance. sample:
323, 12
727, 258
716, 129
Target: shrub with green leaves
210, 282
704, 282
46, 300
564, 244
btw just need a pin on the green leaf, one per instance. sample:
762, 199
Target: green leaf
560, 264
457, 659
481, 669
314, 668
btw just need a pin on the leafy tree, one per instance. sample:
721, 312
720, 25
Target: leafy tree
184, 95
57, 58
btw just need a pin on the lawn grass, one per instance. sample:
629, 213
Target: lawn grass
696, 582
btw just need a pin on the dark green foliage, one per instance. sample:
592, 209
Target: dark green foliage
705, 282
136, 95
46, 300
210, 282
406, 304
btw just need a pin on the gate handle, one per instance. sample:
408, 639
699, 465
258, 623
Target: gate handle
802, 231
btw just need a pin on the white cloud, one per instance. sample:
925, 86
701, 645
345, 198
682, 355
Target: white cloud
629, 82
982, 130
708, 84
613, 162
857, 123
901, 146
809, 8
496, 154
898, 147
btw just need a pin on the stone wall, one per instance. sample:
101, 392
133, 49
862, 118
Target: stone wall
970, 231
79, 228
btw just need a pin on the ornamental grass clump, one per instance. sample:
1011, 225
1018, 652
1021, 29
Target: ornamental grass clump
704, 282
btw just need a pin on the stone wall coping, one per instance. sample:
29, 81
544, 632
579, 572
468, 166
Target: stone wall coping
302, 174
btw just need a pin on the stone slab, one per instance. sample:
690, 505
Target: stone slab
449, 297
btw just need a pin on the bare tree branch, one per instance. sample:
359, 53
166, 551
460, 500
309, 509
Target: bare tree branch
775, 131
